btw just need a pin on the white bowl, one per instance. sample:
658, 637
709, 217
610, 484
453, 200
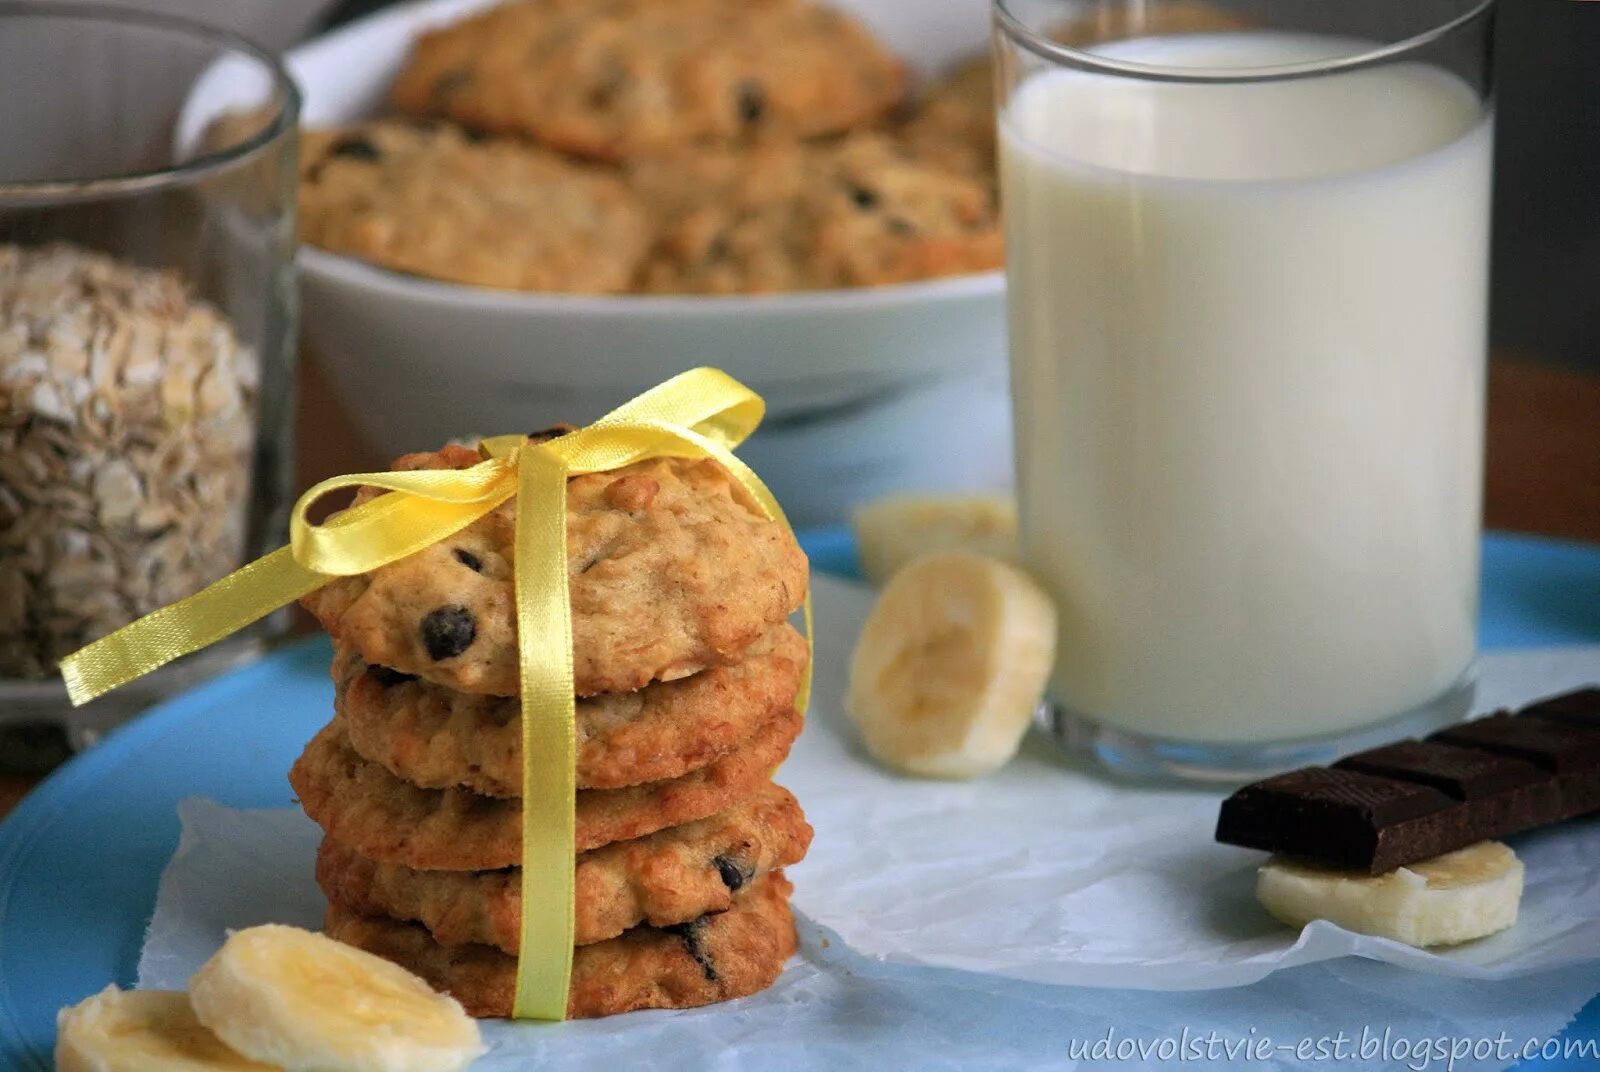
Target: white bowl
868, 390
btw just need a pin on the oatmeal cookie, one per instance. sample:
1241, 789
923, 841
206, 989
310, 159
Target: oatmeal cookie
438, 738
672, 569
611, 79
714, 958
432, 202
670, 877
1114, 22
382, 817
859, 212
953, 126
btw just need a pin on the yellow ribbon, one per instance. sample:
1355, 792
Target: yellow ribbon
701, 413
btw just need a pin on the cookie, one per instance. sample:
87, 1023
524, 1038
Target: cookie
429, 201
1114, 22
613, 79
672, 569
953, 126
384, 818
670, 877
859, 212
438, 738
714, 958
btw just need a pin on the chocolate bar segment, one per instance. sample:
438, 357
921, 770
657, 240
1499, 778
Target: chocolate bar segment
1413, 800
1462, 773
1558, 747
1341, 817
1581, 706
1570, 752
1497, 795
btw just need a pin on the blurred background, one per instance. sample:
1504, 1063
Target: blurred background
1544, 429
1544, 432
1547, 214
1544, 453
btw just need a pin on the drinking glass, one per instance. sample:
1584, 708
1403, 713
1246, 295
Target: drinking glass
1247, 263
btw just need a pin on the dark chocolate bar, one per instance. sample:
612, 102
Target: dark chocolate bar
1581, 706
1413, 800
1463, 773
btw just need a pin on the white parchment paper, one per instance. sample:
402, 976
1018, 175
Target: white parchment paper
936, 918
1048, 871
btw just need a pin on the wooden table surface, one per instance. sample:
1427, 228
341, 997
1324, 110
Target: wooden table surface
1543, 468
12, 790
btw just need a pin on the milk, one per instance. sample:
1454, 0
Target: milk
1248, 341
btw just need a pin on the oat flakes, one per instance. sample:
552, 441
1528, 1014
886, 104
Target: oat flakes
127, 424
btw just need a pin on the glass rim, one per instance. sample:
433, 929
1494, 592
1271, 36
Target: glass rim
1025, 36
134, 182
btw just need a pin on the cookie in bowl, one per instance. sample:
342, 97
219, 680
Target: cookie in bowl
953, 124
431, 200
615, 79
811, 216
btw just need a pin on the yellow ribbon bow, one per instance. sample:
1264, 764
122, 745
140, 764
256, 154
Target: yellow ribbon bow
698, 414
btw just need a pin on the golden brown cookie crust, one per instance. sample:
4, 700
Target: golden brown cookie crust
612, 79
384, 818
953, 126
717, 958
438, 738
669, 877
672, 569
862, 211
429, 201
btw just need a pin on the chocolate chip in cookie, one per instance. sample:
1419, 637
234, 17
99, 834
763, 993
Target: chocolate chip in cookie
448, 631
355, 147
733, 874
449, 84
751, 102
691, 933
388, 677
865, 199
555, 431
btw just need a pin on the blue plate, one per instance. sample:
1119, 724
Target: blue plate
81, 857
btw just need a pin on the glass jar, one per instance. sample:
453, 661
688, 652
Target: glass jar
147, 311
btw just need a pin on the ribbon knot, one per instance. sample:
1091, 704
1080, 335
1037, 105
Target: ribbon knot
703, 413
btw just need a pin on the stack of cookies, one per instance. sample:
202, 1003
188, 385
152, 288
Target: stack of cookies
687, 674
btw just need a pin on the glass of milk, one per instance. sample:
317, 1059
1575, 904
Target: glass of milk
1247, 268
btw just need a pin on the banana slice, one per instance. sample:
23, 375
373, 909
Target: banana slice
307, 1003
1457, 897
141, 1031
892, 531
951, 664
